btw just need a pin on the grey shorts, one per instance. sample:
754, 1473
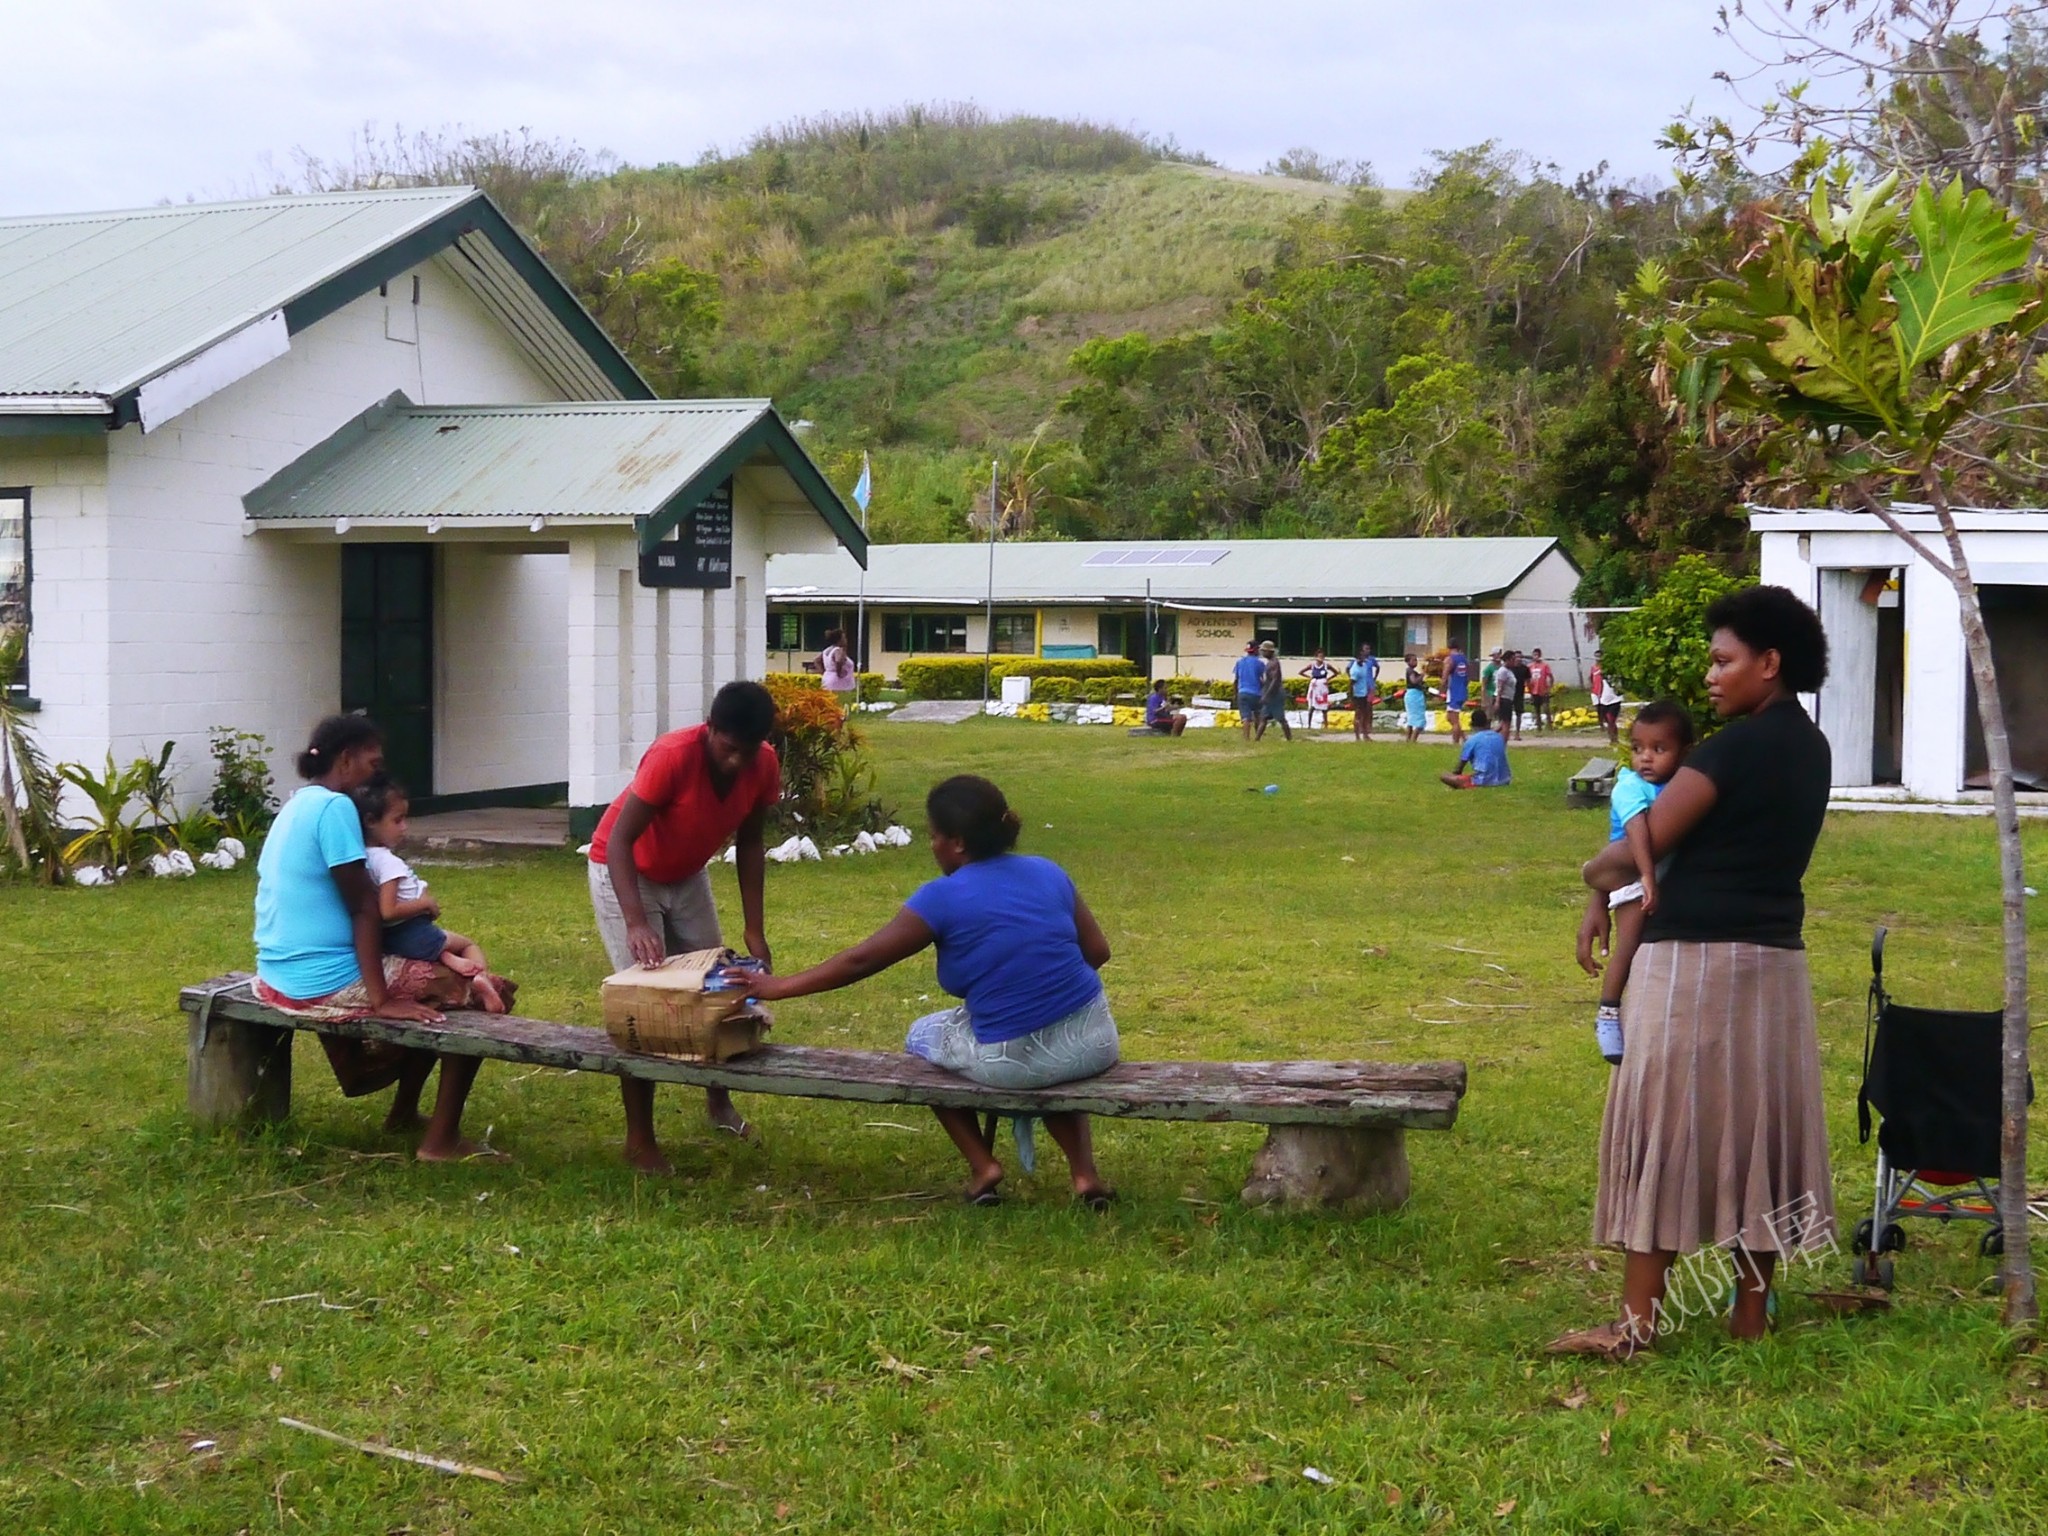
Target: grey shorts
1079, 1045
683, 914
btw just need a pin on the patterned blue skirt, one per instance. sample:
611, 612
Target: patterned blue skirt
1079, 1045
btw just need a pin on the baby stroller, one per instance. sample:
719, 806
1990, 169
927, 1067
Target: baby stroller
1933, 1077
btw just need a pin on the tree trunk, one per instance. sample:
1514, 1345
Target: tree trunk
2022, 1309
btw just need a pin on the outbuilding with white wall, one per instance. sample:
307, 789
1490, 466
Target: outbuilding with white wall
1899, 706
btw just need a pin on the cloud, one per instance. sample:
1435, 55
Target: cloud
131, 104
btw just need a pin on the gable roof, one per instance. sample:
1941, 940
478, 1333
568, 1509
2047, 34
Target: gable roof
644, 463
94, 306
1244, 573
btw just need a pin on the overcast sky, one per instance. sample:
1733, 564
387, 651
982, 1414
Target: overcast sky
114, 103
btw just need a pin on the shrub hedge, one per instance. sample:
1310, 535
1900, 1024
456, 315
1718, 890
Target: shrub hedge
1086, 690
1048, 666
941, 677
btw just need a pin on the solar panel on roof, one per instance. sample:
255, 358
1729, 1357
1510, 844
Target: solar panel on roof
1207, 556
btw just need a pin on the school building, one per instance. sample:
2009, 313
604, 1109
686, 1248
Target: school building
1899, 707
260, 461
1181, 607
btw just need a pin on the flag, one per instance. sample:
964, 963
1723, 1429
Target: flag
864, 487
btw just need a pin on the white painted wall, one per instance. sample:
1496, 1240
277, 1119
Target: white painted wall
2003, 548
643, 661
156, 617
1538, 616
501, 669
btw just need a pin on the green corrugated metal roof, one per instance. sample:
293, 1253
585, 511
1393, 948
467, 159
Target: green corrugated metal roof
1248, 573
634, 462
94, 305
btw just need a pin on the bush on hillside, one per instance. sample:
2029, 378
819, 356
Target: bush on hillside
1660, 650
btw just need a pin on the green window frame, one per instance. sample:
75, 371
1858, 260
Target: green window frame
925, 634
1015, 634
16, 573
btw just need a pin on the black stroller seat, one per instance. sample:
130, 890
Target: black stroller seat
1932, 1075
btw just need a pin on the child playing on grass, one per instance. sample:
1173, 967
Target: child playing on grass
409, 912
1657, 744
1319, 672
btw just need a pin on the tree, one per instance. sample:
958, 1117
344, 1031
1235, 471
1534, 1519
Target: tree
1440, 464
1660, 650
1936, 89
1869, 341
29, 787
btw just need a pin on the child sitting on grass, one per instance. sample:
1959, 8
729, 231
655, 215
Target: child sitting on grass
409, 912
1657, 744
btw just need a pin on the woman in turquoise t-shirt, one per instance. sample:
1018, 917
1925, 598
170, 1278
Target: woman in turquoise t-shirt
319, 941
1021, 949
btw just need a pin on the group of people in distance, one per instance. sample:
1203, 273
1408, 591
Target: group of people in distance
1514, 686
345, 930
1713, 1133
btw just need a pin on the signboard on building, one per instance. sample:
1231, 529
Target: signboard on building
699, 552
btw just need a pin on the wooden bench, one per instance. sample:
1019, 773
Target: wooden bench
1336, 1129
1593, 784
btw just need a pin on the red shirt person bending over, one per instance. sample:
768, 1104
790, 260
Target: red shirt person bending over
648, 885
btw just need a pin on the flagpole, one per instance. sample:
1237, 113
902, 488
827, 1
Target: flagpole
863, 492
989, 637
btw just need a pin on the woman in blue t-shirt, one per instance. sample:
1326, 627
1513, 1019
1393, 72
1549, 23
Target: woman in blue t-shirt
1021, 949
319, 942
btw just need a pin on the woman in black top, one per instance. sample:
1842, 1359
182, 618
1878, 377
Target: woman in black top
1714, 1135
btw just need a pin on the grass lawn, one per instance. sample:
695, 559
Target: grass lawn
793, 1336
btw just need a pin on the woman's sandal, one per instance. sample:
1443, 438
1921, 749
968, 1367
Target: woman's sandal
1101, 1198
1608, 1341
993, 1195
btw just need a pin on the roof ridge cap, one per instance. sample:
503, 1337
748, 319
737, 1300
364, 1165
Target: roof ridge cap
277, 200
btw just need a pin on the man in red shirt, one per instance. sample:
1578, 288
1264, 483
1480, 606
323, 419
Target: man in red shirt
648, 886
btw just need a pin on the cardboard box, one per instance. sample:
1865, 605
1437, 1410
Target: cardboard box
665, 1011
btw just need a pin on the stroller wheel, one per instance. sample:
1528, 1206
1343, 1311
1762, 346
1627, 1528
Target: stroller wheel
1992, 1244
1892, 1239
1859, 1272
1884, 1274
1859, 1240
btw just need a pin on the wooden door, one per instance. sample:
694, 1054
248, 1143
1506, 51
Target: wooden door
387, 652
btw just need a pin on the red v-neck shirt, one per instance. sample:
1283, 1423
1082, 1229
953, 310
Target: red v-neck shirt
691, 820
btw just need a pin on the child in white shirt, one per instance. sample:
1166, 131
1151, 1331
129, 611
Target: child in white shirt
409, 912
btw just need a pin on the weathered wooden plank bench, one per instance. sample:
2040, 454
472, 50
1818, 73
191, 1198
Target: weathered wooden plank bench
1593, 784
1336, 1130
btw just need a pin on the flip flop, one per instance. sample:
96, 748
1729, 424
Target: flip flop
993, 1195
1098, 1199
744, 1131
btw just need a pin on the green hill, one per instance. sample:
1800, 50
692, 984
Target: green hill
1152, 345
914, 284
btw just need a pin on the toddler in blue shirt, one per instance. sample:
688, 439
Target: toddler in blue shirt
1657, 743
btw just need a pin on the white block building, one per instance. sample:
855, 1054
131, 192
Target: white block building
261, 461
1899, 706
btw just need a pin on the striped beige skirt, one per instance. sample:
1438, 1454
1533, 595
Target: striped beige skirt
1714, 1133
